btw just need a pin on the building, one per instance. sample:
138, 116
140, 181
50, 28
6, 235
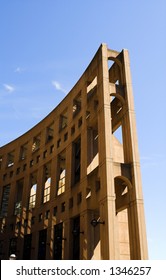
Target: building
70, 188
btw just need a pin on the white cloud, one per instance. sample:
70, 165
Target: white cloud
152, 160
18, 70
8, 88
58, 86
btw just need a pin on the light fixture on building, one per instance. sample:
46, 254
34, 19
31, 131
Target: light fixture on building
95, 222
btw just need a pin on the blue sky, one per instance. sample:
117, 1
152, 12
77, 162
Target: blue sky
45, 47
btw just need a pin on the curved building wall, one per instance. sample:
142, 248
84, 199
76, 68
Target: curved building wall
62, 183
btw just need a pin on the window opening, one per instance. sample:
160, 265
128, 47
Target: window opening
19, 192
73, 130
27, 247
58, 237
23, 151
42, 244
31, 163
79, 197
37, 158
76, 238
76, 161
63, 120
63, 207
61, 173
66, 136
4, 176
77, 104
110, 63
45, 154
5, 201
118, 134
50, 133
33, 190
79, 122
55, 211
24, 167
58, 143
18, 170
13, 246
47, 183
36, 143
51, 149
10, 160
47, 214
116, 108
91, 88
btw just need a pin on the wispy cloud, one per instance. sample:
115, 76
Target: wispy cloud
152, 160
58, 86
8, 88
19, 70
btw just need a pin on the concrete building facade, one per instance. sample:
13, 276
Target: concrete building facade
70, 188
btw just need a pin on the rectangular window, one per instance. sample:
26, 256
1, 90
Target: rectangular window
5, 201
45, 154
79, 197
33, 190
36, 143
51, 149
4, 176
76, 155
77, 104
73, 130
76, 238
47, 182
47, 214
42, 244
63, 120
63, 206
61, 173
27, 247
58, 233
18, 199
13, 246
55, 211
79, 122
10, 159
23, 151
50, 133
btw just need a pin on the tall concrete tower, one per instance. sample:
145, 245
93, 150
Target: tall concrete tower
121, 199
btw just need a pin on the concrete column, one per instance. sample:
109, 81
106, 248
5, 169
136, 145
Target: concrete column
137, 229
107, 192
